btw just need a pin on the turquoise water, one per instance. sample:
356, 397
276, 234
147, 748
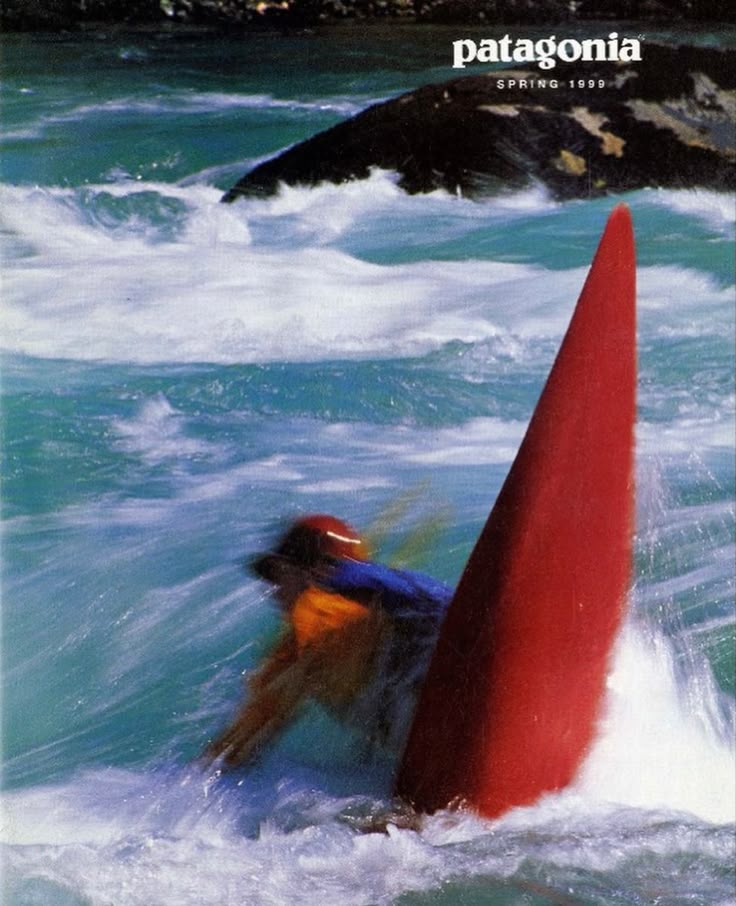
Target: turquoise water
181, 376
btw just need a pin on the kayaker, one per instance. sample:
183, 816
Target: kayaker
356, 638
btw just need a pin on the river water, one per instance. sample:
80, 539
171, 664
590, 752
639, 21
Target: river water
180, 376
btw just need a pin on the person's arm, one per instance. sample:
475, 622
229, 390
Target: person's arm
325, 656
283, 653
273, 695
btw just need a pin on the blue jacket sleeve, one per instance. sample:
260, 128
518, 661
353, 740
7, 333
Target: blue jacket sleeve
401, 593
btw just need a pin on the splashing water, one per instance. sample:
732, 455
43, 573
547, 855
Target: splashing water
179, 375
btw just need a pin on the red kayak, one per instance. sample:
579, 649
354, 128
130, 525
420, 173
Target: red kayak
511, 702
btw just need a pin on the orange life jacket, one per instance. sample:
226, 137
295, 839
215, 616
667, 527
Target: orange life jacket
339, 638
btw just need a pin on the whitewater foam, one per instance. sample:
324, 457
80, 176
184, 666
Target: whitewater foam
266, 280
655, 751
714, 208
156, 433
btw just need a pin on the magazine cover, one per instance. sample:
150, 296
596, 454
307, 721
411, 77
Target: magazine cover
368, 452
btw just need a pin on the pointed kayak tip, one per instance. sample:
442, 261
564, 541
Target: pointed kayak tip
619, 224
621, 210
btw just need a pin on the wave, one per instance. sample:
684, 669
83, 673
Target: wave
183, 103
162, 273
708, 427
716, 209
666, 747
157, 434
658, 781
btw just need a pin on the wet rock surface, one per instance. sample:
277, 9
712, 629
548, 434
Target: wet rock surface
667, 121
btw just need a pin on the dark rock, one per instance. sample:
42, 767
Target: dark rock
19, 15
56, 15
667, 121
33, 15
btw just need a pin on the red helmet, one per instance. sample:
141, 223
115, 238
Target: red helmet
338, 539
309, 541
